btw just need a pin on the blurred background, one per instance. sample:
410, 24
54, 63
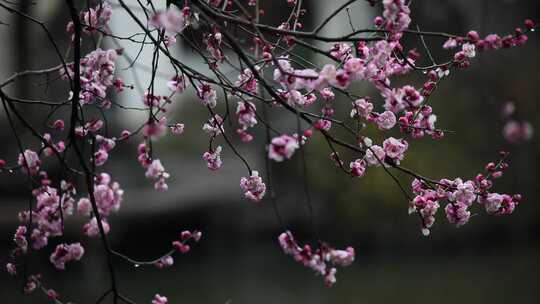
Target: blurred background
489, 260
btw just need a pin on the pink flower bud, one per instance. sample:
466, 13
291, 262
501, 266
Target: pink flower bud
473, 36
184, 248
197, 235
184, 235
58, 124
529, 24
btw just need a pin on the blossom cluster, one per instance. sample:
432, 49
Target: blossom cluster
104, 147
213, 158
65, 253
396, 16
460, 196
375, 64
473, 42
97, 75
253, 186
154, 168
108, 197
390, 154
46, 219
323, 260
157, 172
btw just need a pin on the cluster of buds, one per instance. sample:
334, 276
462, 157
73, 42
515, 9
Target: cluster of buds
185, 236
181, 245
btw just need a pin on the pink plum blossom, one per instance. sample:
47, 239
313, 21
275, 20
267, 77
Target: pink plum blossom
65, 253
253, 187
395, 149
214, 126
282, 147
177, 128
361, 108
213, 158
358, 168
29, 161
159, 299
155, 128
91, 228
177, 84
11, 269
457, 213
207, 95
157, 172
386, 120
246, 114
